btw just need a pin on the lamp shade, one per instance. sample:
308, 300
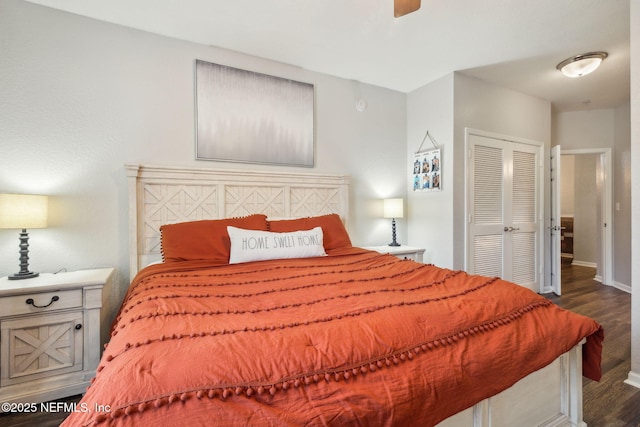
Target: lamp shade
393, 208
23, 211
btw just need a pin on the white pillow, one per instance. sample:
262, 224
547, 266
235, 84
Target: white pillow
256, 245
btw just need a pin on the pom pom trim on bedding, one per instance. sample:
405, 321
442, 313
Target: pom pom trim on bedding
353, 337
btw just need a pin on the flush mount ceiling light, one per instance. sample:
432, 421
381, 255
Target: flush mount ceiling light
581, 65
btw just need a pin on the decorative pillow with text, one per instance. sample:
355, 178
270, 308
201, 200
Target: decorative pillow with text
255, 245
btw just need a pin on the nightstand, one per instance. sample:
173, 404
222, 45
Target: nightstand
402, 252
50, 339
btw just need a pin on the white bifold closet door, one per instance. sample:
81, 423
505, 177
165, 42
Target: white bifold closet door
503, 232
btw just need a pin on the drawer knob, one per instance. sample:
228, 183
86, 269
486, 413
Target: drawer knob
30, 301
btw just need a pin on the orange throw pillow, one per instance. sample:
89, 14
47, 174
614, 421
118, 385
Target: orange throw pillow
335, 235
206, 239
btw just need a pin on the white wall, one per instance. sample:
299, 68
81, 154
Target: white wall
585, 224
446, 107
498, 110
634, 375
608, 128
80, 98
622, 197
567, 172
584, 129
431, 217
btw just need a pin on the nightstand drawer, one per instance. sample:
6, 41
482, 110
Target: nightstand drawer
40, 302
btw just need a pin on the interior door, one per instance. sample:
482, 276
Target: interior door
556, 227
503, 236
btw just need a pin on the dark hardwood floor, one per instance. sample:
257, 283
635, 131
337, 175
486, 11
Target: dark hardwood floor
47, 418
608, 403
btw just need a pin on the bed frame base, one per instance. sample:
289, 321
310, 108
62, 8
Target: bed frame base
550, 397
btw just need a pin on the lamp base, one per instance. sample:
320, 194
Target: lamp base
24, 272
27, 275
393, 234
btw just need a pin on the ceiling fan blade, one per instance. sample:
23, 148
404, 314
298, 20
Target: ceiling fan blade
403, 7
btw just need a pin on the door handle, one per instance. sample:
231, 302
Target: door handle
511, 229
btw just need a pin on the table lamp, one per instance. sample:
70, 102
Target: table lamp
393, 208
23, 211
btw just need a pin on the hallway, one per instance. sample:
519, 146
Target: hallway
610, 402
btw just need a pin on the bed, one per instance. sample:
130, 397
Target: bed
285, 322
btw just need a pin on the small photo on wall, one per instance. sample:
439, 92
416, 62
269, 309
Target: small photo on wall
427, 171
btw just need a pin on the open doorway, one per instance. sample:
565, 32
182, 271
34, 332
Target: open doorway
586, 210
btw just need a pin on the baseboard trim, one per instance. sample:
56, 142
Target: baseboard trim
621, 286
633, 379
584, 263
561, 420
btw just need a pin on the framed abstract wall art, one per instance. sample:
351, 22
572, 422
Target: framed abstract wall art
249, 117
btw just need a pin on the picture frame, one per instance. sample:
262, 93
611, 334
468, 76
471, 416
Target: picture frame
249, 117
427, 170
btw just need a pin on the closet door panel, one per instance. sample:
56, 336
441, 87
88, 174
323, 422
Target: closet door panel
487, 200
504, 209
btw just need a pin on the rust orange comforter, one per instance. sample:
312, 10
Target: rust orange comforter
354, 338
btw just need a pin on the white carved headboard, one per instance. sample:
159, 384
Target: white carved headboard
162, 195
